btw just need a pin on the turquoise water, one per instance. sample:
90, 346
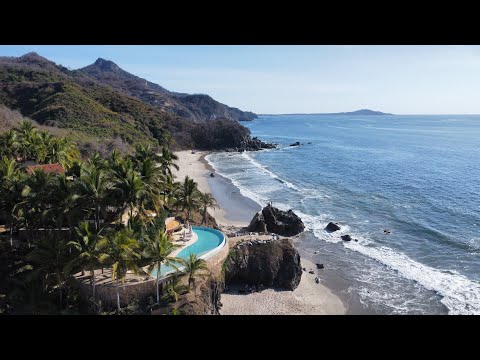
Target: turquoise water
416, 175
208, 239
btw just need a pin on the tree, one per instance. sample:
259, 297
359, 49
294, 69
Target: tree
28, 135
121, 252
193, 268
9, 144
67, 203
95, 186
174, 289
129, 188
37, 204
206, 200
187, 196
11, 185
88, 252
50, 258
167, 160
158, 250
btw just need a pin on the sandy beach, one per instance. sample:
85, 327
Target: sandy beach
309, 298
196, 167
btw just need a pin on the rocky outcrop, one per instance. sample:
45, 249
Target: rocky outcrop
295, 143
332, 227
273, 220
207, 299
271, 263
346, 238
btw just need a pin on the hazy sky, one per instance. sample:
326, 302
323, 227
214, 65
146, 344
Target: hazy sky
300, 79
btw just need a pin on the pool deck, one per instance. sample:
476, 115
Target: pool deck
182, 244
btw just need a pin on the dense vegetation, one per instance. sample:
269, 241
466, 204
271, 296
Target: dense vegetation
196, 107
74, 222
99, 109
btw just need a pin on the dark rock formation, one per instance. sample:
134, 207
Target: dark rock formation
269, 262
271, 219
319, 266
311, 272
332, 227
212, 175
295, 143
346, 238
317, 280
207, 300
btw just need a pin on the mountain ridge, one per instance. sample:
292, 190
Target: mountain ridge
195, 107
56, 96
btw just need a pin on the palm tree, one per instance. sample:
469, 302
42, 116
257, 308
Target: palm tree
167, 160
129, 187
206, 200
188, 196
29, 138
37, 193
121, 252
158, 250
9, 143
88, 252
193, 267
66, 202
11, 185
174, 289
95, 187
49, 258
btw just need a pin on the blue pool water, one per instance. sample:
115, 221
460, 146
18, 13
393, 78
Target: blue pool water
208, 239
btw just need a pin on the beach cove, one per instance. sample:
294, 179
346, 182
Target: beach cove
309, 298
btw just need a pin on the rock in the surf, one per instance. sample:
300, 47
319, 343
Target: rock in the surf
273, 220
332, 227
346, 238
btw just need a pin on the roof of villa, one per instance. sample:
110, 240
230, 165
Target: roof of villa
48, 168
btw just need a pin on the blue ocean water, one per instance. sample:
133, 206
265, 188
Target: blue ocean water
417, 176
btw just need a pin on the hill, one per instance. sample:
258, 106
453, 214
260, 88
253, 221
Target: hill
196, 107
54, 96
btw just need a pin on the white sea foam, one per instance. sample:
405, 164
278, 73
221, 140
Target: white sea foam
460, 294
265, 170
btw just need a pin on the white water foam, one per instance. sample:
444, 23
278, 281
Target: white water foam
460, 294
265, 170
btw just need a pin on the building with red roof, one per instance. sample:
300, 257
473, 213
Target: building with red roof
48, 168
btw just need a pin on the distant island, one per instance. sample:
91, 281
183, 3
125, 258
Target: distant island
357, 112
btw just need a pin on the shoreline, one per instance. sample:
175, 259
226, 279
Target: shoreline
236, 210
233, 208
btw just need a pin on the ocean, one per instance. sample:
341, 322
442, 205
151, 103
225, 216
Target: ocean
416, 176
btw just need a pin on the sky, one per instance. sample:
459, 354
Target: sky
268, 79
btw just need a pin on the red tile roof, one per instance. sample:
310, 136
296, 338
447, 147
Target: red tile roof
48, 168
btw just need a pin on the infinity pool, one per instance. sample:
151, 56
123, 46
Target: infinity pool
208, 240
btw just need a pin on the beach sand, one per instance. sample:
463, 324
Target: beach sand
309, 298
237, 210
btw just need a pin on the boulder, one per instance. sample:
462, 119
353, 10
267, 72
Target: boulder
319, 266
317, 280
346, 238
273, 220
295, 143
311, 272
212, 175
273, 263
332, 227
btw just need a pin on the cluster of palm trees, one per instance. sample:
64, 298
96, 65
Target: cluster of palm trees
29, 143
77, 225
